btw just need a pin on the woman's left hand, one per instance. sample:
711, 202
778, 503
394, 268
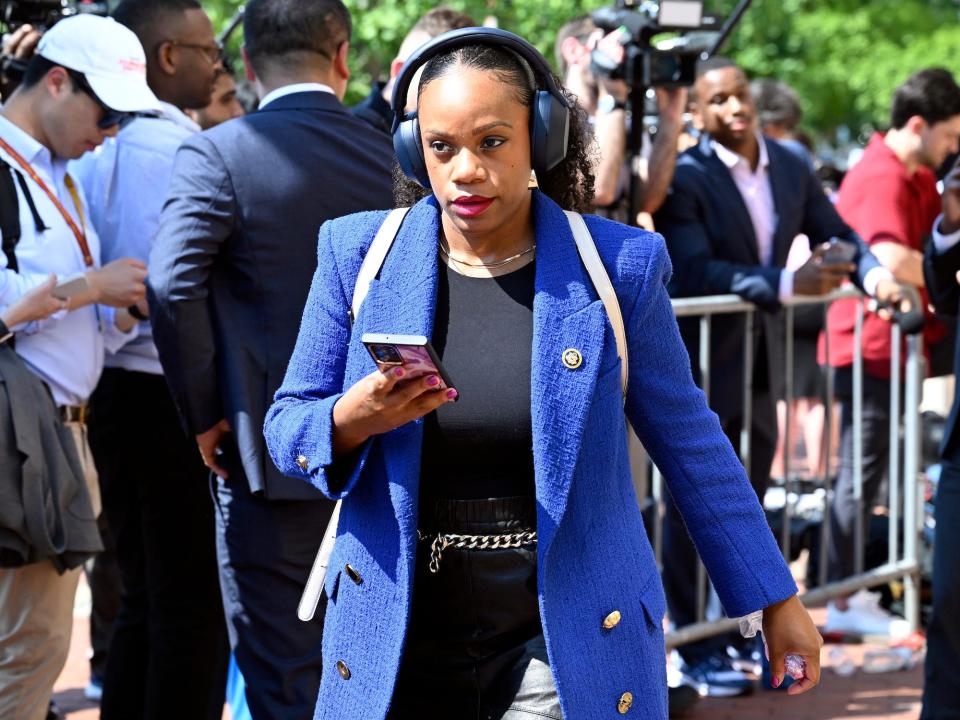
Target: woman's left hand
788, 630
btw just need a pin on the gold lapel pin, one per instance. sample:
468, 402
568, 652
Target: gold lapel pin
572, 359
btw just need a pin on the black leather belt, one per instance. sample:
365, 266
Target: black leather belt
73, 413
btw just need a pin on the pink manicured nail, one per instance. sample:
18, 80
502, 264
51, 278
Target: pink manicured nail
452, 394
433, 381
399, 372
776, 681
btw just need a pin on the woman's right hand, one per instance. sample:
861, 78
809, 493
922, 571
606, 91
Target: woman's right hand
381, 402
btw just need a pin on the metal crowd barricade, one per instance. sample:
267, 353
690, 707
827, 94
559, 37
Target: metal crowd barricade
903, 472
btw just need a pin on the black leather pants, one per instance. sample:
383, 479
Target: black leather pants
475, 648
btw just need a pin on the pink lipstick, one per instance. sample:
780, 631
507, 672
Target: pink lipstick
471, 205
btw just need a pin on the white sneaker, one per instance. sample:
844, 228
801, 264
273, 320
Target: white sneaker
864, 616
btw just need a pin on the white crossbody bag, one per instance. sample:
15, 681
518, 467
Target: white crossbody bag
371, 265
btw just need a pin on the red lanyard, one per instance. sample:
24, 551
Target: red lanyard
79, 234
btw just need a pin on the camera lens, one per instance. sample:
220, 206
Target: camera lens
386, 354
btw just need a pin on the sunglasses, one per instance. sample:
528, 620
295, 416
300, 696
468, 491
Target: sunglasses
110, 117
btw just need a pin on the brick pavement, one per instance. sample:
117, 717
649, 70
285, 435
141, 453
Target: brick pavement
892, 696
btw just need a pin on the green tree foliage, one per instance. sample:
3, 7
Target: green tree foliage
844, 57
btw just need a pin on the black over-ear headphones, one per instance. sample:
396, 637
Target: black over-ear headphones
550, 114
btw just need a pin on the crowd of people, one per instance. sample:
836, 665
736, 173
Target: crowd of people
163, 290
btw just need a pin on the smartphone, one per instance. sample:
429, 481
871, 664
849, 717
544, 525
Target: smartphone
839, 251
412, 352
65, 289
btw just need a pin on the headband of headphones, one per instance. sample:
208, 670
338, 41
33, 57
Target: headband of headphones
550, 116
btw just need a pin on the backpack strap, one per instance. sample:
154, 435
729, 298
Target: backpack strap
601, 283
9, 215
376, 254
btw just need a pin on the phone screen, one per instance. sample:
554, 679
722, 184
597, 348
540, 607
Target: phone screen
413, 353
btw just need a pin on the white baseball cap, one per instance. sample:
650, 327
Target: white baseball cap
108, 54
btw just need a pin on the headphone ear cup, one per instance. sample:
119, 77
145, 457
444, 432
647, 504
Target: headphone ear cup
549, 132
406, 144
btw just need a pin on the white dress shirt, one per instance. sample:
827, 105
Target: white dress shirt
125, 181
67, 349
292, 89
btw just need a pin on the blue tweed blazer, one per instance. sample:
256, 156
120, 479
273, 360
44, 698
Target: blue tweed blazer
593, 553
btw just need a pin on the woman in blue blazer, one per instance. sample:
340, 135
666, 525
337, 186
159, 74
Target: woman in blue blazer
401, 640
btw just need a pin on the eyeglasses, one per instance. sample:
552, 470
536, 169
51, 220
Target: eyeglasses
213, 52
110, 117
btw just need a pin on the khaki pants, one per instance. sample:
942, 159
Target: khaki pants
36, 619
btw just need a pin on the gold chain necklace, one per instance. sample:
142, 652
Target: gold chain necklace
487, 266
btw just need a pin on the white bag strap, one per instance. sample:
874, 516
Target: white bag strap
372, 262
601, 283
318, 573
369, 268
376, 254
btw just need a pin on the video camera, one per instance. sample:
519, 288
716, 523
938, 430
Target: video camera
668, 63
43, 14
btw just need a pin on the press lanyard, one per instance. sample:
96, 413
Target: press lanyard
79, 234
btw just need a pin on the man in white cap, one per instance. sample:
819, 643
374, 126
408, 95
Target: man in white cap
170, 630
88, 75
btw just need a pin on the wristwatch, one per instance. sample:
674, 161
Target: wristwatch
136, 314
608, 104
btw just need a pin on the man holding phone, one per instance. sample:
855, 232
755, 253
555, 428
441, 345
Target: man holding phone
736, 204
890, 198
167, 571
87, 76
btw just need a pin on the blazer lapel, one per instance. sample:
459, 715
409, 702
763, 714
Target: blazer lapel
567, 316
402, 301
729, 193
778, 188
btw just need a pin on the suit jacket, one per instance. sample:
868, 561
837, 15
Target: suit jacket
940, 272
45, 508
713, 247
235, 251
593, 553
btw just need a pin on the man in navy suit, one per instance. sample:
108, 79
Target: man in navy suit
941, 692
736, 203
229, 275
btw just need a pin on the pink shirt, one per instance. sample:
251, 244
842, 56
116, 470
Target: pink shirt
754, 187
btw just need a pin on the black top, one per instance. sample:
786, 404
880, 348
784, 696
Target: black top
482, 445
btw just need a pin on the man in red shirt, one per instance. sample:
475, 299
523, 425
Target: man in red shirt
890, 198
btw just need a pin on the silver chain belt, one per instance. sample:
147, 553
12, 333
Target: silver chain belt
441, 542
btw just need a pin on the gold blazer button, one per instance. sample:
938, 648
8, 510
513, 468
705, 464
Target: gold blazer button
343, 669
572, 359
625, 703
303, 462
612, 620
353, 574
